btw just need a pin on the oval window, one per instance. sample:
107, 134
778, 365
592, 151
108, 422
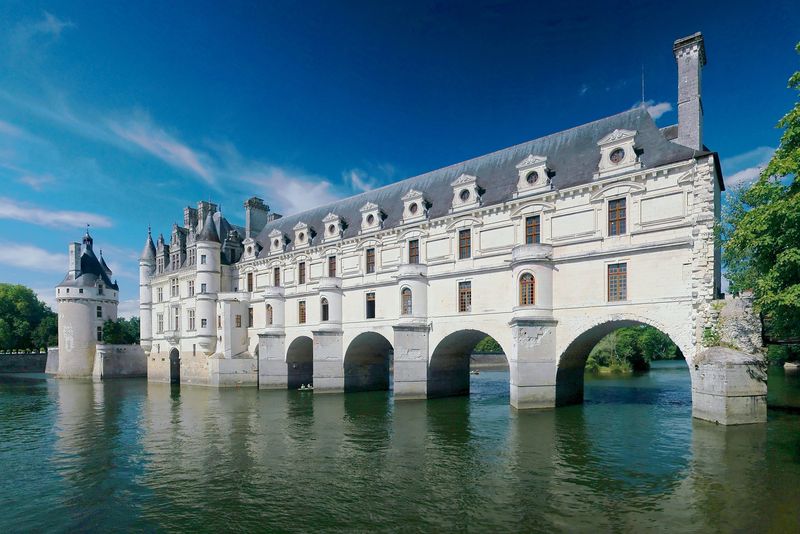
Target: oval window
331, 229
617, 155
370, 218
532, 177
413, 207
301, 237
464, 196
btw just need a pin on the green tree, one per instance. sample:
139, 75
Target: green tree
121, 331
631, 349
488, 345
761, 232
25, 321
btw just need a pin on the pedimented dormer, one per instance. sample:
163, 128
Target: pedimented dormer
534, 175
617, 153
466, 192
250, 249
277, 242
371, 217
303, 235
415, 208
334, 227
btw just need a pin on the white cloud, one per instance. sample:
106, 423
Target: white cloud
155, 140
37, 182
50, 25
29, 213
9, 130
128, 308
30, 257
291, 191
583, 90
47, 295
657, 110
746, 167
359, 180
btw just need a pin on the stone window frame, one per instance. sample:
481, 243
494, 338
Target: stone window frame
269, 314
464, 295
533, 229
527, 289
464, 250
618, 220
613, 293
324, 310
250, 317
406, 301
301, 272
369, 297
369, 260
302, 315
413, 251
190, 318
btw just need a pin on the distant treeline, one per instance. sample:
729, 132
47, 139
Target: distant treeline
26, 323
631, 349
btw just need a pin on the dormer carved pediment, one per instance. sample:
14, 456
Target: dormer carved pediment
466, 193
277, 242
303, 235
334, 226
412, 194
534, 175
415, 208
617, 135
531, 161
371, 217
464, 179
617, 153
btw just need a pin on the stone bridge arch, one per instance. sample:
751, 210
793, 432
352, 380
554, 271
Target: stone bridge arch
299, 361
574, 350
367, 362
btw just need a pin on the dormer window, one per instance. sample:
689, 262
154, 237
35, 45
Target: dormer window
534, 175
371, 217
334, 227
617, 153
302, 235
466, 193
277, 242
414, 206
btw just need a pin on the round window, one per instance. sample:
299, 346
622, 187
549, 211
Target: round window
617, 155
331, 229
532, 177
413, 207
464, 195
249, 250
276, 243
301, 237
370, 218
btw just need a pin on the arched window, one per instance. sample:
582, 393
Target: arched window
405, 301
527, 290
269, 314
324, 303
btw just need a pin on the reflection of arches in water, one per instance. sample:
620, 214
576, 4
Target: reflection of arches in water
174, 367
367, 363
572, 362
448, 370
300, 362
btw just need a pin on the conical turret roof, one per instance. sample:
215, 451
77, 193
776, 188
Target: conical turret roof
149, 251
209, 231
104, 265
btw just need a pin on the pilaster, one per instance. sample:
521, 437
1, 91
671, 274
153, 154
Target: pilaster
411, 354
272, 370
328, 361
532, 363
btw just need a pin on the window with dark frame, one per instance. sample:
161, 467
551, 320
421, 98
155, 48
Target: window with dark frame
238, 321
332, 266
616, 217
301, 312
301, 272
269, 314
464, 244
533, 230
99, 312
99, 333
370, 305
276, 276
324, 309
413, 251
249, 282
250, 318
527, 290
617, 282
370, 260
406, 304
464, 296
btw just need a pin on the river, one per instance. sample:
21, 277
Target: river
122, 455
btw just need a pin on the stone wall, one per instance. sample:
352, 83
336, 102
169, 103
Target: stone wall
119, 361
23, 363
737, 325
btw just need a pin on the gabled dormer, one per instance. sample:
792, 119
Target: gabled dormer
371, 217
334, 227
534, 175
466, 192
250, 249
277, 242
303, 235
415, 208
617, 153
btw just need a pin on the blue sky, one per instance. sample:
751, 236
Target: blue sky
119, 115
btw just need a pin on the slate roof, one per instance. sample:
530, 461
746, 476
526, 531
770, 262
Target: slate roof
572, 154
91, 271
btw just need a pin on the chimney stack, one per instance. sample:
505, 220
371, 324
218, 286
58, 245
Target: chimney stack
256, 215
74, 260
690, 55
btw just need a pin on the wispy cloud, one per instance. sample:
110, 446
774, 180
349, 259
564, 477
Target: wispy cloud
655, 109
359, 180
128, 308
31, 257
26, 40
291, 191
142, 132
37, 182
583, 90
29, 213
746, 167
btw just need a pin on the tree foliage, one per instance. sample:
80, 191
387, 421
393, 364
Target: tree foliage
121, 331
761, 232
25, 321
488, 345
631, 349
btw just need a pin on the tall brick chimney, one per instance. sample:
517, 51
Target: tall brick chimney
690, 54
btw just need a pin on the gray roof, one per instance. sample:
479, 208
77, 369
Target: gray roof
90, 272
573, 155
149, 250
209, 231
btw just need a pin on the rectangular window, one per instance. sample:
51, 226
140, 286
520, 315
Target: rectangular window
370, 305
616, 217
160, 265
301, 312
331, 266
203, 323
249, 282
176, 320
276, 276
160, 323
190, 287
160, 294
192, 256
173, 287
301, 272
219, 321
465, 296
370, 260
413, 251
190, 314
99, 312
250, 318
202, 288
99, 333
202, 259
238, 321
618, 281
464, 244
533, 232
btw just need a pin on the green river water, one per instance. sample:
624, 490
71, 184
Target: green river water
128, 455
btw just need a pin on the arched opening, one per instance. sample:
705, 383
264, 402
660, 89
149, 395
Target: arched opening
406, 303
367, 363
617, 348
174, 367
269, 314
527, 290
300, 363
324, 309
449, 367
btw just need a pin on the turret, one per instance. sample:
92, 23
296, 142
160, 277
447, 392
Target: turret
208, 281
147, 264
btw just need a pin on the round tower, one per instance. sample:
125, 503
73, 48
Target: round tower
147, 264
208, 280
86, 298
